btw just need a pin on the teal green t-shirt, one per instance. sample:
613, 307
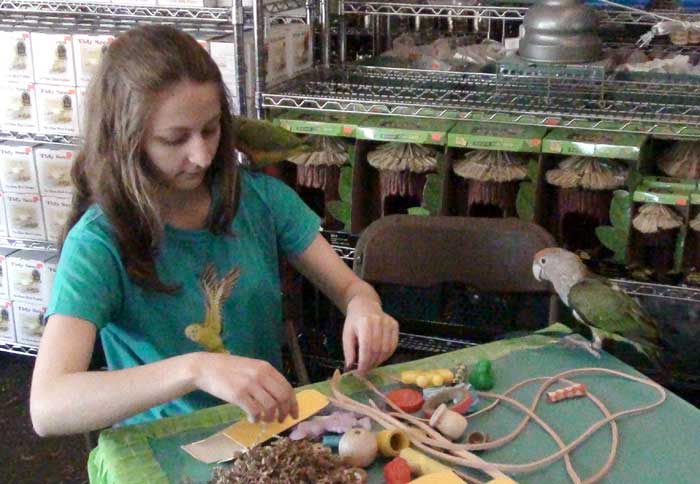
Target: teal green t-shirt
137, 326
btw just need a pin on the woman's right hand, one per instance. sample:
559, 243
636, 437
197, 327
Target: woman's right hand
254, 385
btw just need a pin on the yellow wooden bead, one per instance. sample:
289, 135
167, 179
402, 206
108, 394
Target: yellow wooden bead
408, 377
438, 380
423, 381
391, 442
446, 375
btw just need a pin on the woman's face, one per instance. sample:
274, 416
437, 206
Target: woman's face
182, 134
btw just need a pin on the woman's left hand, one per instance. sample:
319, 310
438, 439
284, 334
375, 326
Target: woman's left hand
370, 336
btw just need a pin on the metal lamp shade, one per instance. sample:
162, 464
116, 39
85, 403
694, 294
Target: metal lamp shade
561, 32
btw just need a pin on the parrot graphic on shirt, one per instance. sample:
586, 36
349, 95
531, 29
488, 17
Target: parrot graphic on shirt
265, 143
216, 292
598, 304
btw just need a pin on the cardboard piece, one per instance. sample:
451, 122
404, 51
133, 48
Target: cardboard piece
438, 478
243, 435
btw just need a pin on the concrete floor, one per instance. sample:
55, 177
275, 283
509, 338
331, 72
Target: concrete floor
24, 456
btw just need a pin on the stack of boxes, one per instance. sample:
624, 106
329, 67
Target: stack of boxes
26, 279
36, 190
43, 76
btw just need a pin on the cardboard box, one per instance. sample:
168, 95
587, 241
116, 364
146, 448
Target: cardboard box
17, 171
27, 274
29, 322
405, 130
4, 269
16, 62
88, 51
223, 51
300, 55
324, 124
7, 323
18, 111
57, 107
47, 282
82, 102
25, 218
53, 58
495, 136
3, 217
53, 166
56, 212
599, 144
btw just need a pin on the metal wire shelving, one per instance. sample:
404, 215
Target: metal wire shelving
570, 102
499, 12
18, 348
117, 17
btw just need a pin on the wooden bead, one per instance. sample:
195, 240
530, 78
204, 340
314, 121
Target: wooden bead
358, 447
450, 424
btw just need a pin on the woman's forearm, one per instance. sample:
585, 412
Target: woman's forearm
68, 403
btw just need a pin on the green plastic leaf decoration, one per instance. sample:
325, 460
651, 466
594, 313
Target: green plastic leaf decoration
418, 211
345, 184
532, 170
432, 194
621, 210
340, 210
633, 179
679, 250
525, 202
614, 240
616, 237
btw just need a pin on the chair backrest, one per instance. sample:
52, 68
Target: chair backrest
487, 254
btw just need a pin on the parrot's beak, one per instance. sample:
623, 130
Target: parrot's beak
537, 271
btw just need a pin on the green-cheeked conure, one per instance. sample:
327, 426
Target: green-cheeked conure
265, 143
597, 303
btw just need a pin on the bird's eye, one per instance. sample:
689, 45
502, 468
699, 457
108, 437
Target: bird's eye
543, 260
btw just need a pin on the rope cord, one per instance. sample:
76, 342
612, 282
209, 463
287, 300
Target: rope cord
433, 443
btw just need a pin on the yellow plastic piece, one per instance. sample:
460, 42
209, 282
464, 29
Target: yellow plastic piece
391, 442
408, 377
446, 375
438, 380
501, 480
421, 464
249, 434
423, 381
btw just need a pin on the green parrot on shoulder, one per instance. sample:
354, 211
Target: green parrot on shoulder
264, 143
597, 303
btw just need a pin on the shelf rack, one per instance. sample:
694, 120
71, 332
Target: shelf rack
19, 349
581, 103
674, 293
28, 13
39, 138
497, 12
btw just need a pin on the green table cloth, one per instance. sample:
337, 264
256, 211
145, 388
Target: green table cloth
660, 446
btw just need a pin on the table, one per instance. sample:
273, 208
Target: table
657, 447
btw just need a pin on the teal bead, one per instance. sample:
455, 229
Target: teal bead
331, 441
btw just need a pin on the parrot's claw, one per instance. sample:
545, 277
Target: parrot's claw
578, 341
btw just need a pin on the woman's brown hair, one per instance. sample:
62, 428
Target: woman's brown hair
112, 169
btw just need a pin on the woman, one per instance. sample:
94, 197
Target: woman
172, 254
